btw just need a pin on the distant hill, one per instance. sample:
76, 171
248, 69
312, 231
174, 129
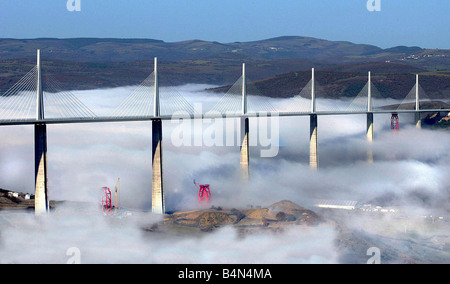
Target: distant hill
90, 63
292, 47
403, 49
125, 50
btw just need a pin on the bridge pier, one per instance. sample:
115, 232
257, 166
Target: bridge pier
313, 139
245, 149
418, 120
41, 200
369, 130
245, 129
313, 143
158, 205
417, 114
370, 136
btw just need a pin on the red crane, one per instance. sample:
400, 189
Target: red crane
204, 193
106, 200
395, 122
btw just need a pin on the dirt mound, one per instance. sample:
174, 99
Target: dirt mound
276, 216
203, 219
210, 220
287, 210
260, 214
286, 206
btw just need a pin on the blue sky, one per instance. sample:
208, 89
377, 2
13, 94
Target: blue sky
424, 23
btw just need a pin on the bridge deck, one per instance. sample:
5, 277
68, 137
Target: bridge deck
196, 116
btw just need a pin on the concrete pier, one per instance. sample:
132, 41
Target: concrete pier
418, 120
369, 110
41, 201
245, 149
245, 129
313, 143
313, 139
370, 136
417, 114
369, 130
158, 205
370, 155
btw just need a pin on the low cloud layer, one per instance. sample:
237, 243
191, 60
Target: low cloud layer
83, 158
102, 240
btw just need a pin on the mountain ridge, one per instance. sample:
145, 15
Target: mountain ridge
92, 63
122, 49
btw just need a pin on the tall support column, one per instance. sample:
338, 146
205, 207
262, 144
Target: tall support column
418, 120
158, 205
313, 139
369, 132
313, 143
370, 136
41, 201
417, 114
245, 149
245, 129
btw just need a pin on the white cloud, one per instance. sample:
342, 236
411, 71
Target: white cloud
85, 157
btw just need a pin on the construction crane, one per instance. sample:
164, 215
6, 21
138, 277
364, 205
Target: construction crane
204, 193
106, 200
395, 122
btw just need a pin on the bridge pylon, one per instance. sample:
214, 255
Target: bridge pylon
158, 204
417, 116
313, 143
313, 127
369, 132
245, 130
41, 201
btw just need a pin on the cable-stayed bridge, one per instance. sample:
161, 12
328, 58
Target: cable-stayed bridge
35, 100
